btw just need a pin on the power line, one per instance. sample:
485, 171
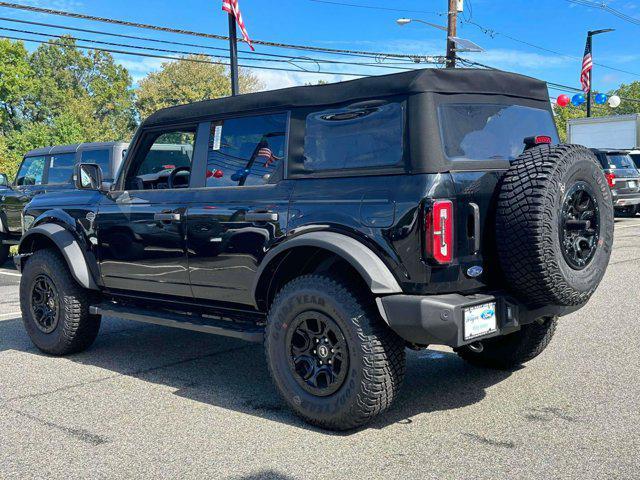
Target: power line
158, 28
185, 44
606, 8
194, 60
493, 33
290, 61
375, 7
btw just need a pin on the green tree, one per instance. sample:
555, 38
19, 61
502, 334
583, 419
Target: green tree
189, 79
60, 95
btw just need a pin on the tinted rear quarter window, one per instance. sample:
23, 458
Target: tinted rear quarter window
491, 132
354, 138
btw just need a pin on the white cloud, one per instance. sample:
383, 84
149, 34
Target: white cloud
273, 79
139, 67
515, 59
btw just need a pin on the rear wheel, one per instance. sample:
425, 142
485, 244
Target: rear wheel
330, 355
512, 350
55, 309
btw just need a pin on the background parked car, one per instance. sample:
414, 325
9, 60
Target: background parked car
49, 169
624, 179
635, 156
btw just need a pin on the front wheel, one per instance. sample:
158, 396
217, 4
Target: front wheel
55, 309
330, 355
514, 349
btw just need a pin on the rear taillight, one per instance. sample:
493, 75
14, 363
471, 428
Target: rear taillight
439, 231
611, 179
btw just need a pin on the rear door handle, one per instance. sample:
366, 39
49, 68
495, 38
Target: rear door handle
261, 217
167, 217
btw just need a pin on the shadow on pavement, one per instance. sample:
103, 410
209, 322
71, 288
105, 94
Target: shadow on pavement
232, 374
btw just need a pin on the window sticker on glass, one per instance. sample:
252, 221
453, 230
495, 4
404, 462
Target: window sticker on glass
217, 137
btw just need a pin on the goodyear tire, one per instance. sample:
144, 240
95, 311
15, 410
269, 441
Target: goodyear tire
330, 355
554, 225
55, 309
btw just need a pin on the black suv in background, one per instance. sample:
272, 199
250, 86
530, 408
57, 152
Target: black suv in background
624, 179
47, 170
337, 223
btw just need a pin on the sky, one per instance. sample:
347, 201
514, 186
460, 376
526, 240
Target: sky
516, 34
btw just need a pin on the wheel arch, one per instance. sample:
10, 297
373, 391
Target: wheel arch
314, 250
53, 235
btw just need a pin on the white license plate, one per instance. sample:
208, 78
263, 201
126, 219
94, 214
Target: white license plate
480, 320
632, 184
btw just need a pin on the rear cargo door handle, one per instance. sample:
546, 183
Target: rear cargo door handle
261, 216
475, 211
167, 217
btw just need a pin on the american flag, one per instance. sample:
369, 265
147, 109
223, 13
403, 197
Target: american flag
587, 66
232, 8
267, 154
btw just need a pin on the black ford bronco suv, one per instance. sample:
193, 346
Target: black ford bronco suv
339, 224
48, 169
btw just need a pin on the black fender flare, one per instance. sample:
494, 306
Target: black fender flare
369, 265
69, 248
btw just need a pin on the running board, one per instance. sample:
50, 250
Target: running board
198, 323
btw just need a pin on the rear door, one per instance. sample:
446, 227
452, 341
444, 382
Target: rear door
242, 208
141, 225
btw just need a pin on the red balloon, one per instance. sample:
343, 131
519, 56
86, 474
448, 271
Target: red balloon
563, 100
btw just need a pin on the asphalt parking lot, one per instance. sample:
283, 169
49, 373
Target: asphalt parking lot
154, 402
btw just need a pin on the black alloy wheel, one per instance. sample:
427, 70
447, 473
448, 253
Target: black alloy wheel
45, 304
579, 225
319, 358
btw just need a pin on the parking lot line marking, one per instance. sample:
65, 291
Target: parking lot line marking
11, 274
6, 316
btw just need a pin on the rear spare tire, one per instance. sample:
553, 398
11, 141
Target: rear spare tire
554, 225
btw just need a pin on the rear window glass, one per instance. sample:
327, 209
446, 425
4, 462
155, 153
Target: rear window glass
100, 157
491, 132
61, 168
352, 138
636, 159
619, 161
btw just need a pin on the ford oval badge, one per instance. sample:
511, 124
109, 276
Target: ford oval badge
475, 271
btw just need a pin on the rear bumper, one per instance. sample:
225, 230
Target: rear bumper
625, 199
439, 319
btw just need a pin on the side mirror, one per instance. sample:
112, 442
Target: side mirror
88, 176
4, 181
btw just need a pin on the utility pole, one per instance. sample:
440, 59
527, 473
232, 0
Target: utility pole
452, 31
233, 55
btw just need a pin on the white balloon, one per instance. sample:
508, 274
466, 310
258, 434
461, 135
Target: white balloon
614, 101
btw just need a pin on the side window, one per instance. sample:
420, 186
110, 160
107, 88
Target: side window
61, 168
100, 157
163, 160
246, 150
31, 171
352, 138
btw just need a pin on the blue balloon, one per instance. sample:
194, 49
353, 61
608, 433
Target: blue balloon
601, 98
578, 99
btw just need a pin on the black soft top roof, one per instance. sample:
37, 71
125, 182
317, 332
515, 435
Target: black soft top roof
473, 81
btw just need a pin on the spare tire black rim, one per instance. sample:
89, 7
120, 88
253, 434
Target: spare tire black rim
579, 225
318, 354
45, 307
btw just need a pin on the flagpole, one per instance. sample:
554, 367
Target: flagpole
233, 55
590, 46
